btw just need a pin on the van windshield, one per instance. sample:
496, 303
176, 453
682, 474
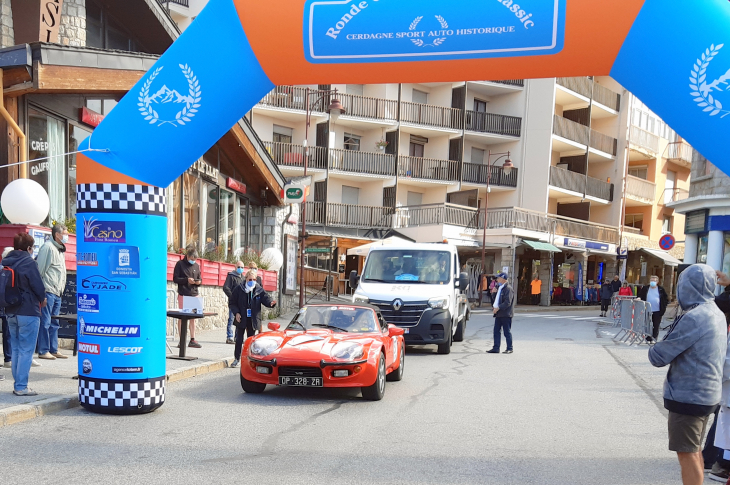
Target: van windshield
402, 265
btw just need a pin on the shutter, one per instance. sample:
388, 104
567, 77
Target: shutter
391, 138
320, 191
389, 197
455, 149
582, 116
458, 98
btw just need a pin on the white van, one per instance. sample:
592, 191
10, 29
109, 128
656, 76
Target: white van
417, 287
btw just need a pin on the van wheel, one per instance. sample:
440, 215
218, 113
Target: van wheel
445, 348
252, 387
460, 330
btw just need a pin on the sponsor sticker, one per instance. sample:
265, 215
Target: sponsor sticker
127, 370
102, 283
87, 303
124, 262
104, 231
87, 259
86, 366
107, 330
125, 350
85, 348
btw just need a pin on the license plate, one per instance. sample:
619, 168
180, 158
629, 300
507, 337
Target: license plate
301, 381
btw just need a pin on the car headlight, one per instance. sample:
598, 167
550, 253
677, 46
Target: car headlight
439, 302
264, 346
360, 299
347, 351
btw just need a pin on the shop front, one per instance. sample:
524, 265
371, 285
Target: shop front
580, 269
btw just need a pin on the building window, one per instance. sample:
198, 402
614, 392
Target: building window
47, 140
638, 172
420, 97
480, 106
210, 211
414, 198
104, 32
477, 156
667, 225
350, 195
101, 106
283, 134
352, 142
702, 249
634, 220
191, 209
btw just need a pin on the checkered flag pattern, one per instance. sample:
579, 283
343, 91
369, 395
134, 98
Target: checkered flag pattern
135, 199
121, 394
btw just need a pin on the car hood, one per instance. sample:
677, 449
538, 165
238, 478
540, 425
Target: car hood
313, 344
404, 291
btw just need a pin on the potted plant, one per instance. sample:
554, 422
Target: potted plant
381, 144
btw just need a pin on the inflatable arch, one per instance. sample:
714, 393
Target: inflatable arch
670, 53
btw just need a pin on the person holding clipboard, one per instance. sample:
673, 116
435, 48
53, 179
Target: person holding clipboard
245, 304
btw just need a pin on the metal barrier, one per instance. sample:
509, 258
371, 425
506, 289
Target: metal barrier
616, 308
635, 321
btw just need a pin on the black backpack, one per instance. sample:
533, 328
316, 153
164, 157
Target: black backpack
10, 295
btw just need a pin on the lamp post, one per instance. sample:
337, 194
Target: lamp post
335, 109
507, 166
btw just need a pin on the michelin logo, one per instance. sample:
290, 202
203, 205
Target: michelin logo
110, 330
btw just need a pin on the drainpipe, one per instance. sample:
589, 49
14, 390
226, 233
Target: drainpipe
23, 157
282, 281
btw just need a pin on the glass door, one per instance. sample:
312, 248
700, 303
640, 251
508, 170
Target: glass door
47, 141
227, 222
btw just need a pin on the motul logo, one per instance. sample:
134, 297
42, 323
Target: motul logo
89, 348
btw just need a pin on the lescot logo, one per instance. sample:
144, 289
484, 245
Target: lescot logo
701, 90
163, 106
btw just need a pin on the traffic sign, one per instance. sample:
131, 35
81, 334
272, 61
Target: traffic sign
667, 242
317, 250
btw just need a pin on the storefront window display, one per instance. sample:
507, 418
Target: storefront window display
191, 188
726, 254
76, 135
702, 249
47, 140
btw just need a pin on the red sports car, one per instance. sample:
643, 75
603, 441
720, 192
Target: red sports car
326, 345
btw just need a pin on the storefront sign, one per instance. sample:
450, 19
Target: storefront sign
290, 286
36, 20
317, 250
294, 193
104, 231
91, 118
205, 170
580, 244
234, 184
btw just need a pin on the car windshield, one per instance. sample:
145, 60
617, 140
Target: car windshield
407, 266
337, 318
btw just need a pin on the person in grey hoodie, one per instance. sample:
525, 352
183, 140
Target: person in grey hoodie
694, 348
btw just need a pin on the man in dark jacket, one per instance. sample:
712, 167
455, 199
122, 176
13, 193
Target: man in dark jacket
245, 303
503, 310
657, 297
606, 294
615, 284
24, 319
187, 276
233, 279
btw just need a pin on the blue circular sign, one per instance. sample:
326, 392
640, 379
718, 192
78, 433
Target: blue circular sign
667, 242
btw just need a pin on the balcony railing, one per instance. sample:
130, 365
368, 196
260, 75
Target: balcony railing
581, 85
428, 168
493, 123
644, 139
604, 143
348, 215
632, 230
291, 97
674, 195
570, 130
576, 228
511, 82
362, 162
606, 97
436, 214
476, 173
679, 152
289, 155
578, 182
640, 188
371, 108
426, 114
182, 3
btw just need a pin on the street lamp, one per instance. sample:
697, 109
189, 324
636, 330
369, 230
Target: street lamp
335, 109
507, 166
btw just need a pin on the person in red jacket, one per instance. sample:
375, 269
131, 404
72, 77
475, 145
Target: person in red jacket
625, 290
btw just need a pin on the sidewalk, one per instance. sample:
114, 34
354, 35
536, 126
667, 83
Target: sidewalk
57, 389
486, 308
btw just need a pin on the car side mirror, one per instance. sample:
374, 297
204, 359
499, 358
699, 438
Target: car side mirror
274, 327
463, 281
394, 331
354, 279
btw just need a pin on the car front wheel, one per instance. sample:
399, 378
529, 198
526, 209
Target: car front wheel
397, 374
252, 387
377, 390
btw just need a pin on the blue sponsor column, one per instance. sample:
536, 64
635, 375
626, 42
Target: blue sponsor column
122, 240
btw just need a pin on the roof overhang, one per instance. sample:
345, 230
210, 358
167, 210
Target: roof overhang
699, 203
668, 259
541, 246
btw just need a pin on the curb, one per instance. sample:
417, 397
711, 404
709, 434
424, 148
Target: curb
24, 412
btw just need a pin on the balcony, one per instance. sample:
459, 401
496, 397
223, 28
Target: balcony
435, 214
290, 97
604, 143
476, 173
288, 155
347, 215
578, 182
640, 190
679, 153
493, 123
647, 144
520, 83
369, 108
580, 85
430, 115
570, 130
585, 86
674, 195
182, 3
362, 162
576, 228
428, 169
606, 97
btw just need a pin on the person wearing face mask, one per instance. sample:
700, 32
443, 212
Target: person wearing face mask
24, 319
245, 303
657, 297
233, 279
52, 267
187, 276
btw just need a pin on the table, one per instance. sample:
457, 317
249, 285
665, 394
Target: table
71, 318
184, 318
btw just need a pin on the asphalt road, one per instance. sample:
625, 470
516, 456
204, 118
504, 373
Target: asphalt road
568, 407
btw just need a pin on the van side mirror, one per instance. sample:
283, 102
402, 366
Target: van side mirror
463, 281
354, 279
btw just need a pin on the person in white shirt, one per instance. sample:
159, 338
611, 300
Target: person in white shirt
657, 297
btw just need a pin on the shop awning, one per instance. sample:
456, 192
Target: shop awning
542, 246
364, 250
658, 253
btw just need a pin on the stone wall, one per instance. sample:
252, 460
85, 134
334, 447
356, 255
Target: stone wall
7, 34
72, 30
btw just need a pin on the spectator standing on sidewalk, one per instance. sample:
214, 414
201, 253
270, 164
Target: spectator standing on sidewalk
24, 319
606, 295
657, 297
233, 279
246, 306
616, 284
695, 349
503, 311
187, 276
52, 266
625, 289
535, 287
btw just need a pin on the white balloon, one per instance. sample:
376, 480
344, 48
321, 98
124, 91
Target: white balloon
25, 201
273, 258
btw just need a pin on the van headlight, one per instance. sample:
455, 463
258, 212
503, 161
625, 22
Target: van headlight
439, 302
347, 351
264, 346
357, 298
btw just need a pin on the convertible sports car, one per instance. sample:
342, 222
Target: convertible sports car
326, 345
